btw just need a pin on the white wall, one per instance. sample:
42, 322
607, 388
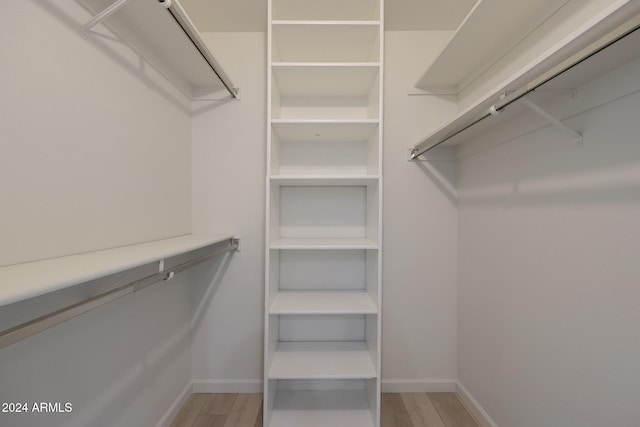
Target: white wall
548, 265
94, 153
228, 194
123, 364
419, 225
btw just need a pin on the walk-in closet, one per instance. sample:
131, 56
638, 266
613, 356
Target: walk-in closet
286, 213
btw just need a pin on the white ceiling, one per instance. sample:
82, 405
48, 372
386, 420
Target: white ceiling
400, 15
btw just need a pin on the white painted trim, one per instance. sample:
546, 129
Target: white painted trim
175, 407
411, 385
227, 386
474, 408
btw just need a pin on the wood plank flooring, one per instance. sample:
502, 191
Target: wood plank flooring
397, 410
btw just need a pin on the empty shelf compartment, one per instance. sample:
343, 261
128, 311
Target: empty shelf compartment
322, 360
323, 302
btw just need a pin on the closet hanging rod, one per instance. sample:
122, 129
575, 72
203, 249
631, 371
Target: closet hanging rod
35, 326
182, 19
612, 37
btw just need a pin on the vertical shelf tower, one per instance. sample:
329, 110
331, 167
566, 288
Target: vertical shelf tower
323, 214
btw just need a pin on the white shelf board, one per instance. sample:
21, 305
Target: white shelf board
325, 79
489, 30
326, 10
323, 302
322, 361
323, 180
335, 408
332, 243
324, 130
604, 61
323, 121
326, 41
151, 30
22, 281
325, 23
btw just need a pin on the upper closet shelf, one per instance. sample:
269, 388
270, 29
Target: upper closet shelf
22, 281
161, 32
591, 50
489, 30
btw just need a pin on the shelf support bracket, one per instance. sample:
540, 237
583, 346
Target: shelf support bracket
539, 110
110, 10
411, 151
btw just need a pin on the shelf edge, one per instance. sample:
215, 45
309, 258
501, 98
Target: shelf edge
36, 278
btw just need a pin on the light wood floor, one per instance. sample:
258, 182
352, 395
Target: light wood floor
397, 410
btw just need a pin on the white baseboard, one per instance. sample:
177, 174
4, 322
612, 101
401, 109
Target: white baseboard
427, 385
474, 408
420, 385
227, 386
175, 407
392, 385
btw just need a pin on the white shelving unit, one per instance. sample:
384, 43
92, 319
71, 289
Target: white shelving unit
323, 255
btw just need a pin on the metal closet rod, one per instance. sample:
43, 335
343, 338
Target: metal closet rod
182, 19
35, 326
514, 96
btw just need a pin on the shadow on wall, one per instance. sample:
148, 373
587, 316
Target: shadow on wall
436, 165
202, 106
205, 281
544, 168
159, 353
101, 362
112, 361
538, 165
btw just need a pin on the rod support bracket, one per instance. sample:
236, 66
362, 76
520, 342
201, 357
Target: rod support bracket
557, 123
108, 11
